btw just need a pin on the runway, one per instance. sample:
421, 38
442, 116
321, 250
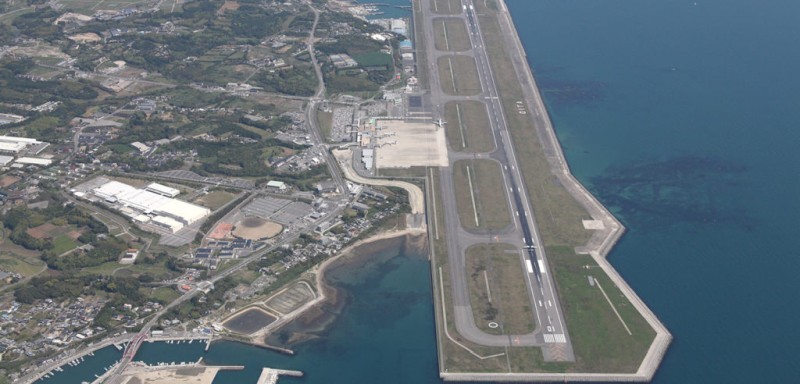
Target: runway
550, 332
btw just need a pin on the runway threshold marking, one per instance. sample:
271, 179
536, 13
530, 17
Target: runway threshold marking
472, 195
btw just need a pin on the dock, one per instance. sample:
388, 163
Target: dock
270, 375
284, 351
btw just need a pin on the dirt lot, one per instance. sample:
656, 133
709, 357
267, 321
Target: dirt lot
415, 144
291, 298
178, 375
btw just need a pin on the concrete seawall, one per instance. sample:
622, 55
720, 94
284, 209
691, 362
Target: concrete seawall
598, 246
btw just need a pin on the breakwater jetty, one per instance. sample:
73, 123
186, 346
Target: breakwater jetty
270, 375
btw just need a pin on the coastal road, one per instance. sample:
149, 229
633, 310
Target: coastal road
550, 332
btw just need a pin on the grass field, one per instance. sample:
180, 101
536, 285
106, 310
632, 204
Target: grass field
480, 195
165, 294
459, 75
450, 34
215, 199
13, 11
132, 181
373, 59
63, 243
420, 44
468, 127
601, 342
446, 7
258, 131
415, 171
159, 271
507, 302
325, 120
88, 7
26, 266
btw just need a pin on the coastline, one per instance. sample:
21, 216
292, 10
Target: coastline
310, 316
598, 246
326, 293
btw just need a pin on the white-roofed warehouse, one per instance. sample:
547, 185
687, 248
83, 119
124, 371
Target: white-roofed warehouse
168, 212
163, 190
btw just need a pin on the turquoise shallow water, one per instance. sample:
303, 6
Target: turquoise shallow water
683, 119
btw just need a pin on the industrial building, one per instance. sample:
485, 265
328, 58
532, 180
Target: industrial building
34, 161
12, 144
280, 185
146, 206
368, 157
163, 190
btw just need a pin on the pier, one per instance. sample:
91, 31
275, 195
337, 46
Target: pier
270, 375
285, 351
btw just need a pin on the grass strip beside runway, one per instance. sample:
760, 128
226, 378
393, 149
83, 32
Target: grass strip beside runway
480, 192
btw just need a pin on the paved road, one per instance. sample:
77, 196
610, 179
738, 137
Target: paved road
311, 110
551, 330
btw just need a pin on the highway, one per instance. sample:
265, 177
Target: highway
550, 332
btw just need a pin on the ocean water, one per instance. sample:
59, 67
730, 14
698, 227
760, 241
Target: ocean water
91, 367
388, 9
682, 117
